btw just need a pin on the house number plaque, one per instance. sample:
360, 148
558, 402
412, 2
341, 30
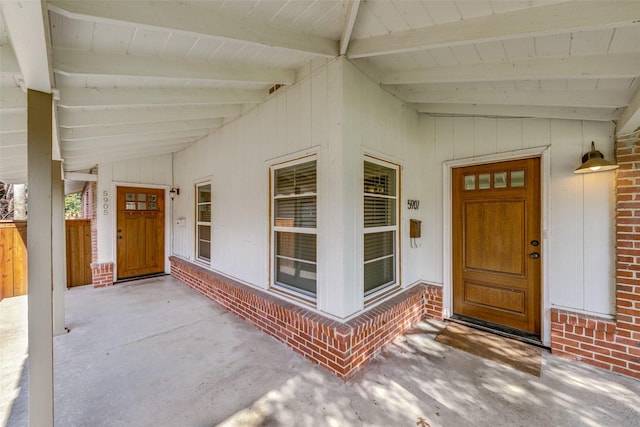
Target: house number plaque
105, 200
413, 204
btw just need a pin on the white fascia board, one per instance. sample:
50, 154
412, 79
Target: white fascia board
534, 21
196, 21
73, 62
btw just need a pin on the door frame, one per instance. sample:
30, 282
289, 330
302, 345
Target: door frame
544, 152
168, 215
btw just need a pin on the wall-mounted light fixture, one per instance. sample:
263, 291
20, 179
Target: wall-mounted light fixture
594, 161
174, 192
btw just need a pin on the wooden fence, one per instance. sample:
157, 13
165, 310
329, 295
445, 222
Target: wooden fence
13, 258
78, 237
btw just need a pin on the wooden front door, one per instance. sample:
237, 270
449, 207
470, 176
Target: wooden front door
497, 244
140, 231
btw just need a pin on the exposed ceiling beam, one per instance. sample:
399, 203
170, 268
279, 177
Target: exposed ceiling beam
74, 62
630, 120
194, 20
28, 26
92, 118
77, 176
111, 142
84, 133
608, 66
535, 21
579, 113
86, 97
9, 61
609, 98
349, 22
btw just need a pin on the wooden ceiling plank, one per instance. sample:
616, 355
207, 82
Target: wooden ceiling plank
540, 20
194, 20
74, 62
133, 139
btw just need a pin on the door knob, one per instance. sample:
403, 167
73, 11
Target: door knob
534, 255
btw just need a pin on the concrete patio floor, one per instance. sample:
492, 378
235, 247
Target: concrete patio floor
156, 353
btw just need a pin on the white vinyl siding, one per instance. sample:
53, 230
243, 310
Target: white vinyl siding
294, 227
380, 225
203, 222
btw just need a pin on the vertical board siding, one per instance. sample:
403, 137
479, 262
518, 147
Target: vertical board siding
78, 244
342, 114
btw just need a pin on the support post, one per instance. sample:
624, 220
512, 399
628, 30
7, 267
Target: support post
39, 246
58, 252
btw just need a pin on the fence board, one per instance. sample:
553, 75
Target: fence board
13, 259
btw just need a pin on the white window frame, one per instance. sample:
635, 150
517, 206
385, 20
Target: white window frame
372, 294
275, 285
198, 223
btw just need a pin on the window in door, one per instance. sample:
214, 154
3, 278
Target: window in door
203, 222
380, 225
293, 227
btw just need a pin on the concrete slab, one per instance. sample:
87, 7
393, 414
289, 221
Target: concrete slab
156, 353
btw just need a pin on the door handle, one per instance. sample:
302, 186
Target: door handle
534, 255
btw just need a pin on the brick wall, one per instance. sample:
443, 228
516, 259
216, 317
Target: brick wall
102, 274
341, 348
613, 345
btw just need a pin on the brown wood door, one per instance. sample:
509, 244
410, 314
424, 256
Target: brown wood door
497, 243
140, 231
78, 241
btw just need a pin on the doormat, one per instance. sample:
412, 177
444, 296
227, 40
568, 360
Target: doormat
516, 354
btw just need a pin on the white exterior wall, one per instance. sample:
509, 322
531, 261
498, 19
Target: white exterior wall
155, 172
343, 122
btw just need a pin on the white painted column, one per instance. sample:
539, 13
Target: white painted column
39, 244
19, 202
58, 248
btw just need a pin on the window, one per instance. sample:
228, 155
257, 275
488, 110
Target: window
203, 221
380, 225
294, 227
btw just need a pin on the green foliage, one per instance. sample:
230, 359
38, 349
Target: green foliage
72, 205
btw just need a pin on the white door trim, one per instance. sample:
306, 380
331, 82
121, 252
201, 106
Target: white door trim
545, 175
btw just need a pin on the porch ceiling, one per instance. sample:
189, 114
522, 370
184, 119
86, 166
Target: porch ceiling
137, 78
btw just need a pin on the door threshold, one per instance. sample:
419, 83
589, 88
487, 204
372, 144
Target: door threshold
494, 328
140, 277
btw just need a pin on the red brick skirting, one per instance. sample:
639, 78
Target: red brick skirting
341, 348
612, 344
102, 274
